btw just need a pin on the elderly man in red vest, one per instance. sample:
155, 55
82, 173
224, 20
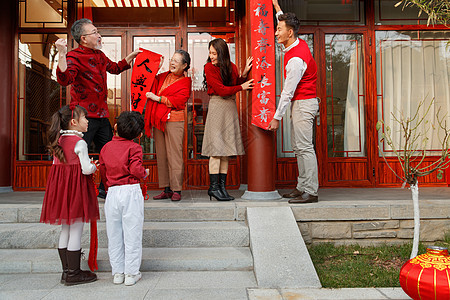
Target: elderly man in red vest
85, 69
300, 72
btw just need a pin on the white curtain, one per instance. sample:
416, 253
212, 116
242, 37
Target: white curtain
354, 127
411, 71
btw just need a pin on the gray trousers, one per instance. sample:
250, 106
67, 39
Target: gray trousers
303, 113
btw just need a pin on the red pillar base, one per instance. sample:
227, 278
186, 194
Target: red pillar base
261, 164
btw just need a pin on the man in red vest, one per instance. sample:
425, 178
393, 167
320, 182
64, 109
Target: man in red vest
300, 72
85, 69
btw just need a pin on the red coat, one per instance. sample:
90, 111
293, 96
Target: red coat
177, 93
86, 72
215, 84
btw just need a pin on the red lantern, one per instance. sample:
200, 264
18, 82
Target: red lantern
427, 276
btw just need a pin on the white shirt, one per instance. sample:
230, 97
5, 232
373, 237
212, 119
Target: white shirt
295, 68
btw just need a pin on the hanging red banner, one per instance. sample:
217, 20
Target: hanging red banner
263, 52
145, 68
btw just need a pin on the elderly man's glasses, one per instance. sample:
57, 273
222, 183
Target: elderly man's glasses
95, 32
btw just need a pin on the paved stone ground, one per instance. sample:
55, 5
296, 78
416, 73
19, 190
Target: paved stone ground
175, 285
325, 195
153, 285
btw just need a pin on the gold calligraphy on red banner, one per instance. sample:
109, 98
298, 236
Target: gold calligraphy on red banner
263, 52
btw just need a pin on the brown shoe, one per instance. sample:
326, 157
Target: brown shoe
304, 198
295, 193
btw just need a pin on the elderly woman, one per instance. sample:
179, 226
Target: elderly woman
165, 114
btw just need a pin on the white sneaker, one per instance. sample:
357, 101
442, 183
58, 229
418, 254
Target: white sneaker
119, 278
132, 279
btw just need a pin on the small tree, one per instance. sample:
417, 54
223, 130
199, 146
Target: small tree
411, 153
438, 11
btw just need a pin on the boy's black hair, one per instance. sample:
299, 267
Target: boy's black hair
130, 124
291, 21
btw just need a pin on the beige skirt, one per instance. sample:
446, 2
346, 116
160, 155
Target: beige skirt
222, 135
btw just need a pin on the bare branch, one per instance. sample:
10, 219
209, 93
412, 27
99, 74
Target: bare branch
437, 10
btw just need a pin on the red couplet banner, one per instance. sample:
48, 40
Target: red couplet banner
263, 51
145, 69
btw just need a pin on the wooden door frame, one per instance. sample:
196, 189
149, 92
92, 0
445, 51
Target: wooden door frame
369, 109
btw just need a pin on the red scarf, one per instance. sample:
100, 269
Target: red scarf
178, 94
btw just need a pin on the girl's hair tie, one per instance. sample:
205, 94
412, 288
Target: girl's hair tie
72, 107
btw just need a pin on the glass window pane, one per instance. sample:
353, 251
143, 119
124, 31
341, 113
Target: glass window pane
217, 13
412, 67
112, 48
326, 12
42, 13
39, 94
164, 45
284, 148
197, 106
387, 14
345, 94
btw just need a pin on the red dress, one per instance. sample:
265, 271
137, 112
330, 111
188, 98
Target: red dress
70, 195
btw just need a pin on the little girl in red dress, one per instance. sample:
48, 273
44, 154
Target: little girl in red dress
70, 197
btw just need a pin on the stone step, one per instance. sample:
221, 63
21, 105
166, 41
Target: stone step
198, 285
155, 234
163, 211
153, 259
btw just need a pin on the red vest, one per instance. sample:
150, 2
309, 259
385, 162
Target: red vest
306, 88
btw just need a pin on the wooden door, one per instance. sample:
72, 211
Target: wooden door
165, 42
343, 125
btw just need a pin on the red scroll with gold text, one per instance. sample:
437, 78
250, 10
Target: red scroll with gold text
263, 52
144, 71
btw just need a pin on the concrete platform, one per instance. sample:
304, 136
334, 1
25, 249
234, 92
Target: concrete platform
325, 195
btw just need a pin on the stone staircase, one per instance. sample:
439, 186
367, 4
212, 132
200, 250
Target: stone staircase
197, 237
232, 246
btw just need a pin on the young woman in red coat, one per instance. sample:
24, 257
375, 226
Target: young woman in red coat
222, 131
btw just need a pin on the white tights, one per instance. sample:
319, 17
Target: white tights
70, 237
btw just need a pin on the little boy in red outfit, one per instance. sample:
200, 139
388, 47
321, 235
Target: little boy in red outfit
121, 169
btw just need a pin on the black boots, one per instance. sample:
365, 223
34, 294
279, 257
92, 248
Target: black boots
75, 275
215, 190
63, 256
222, 183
